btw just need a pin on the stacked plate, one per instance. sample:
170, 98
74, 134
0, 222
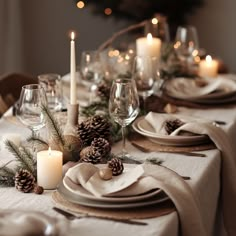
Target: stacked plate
142, 127
205, 91
77, 194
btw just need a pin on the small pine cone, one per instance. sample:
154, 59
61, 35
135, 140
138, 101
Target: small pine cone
172, 125
101, 127
85, 132
103, 90
24, 181
116, 165
89, 154
101, 145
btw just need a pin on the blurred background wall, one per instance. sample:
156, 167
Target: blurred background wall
35, 34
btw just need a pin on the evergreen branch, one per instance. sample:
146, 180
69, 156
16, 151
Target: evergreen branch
94, 107
37, 141
7, 176
6, 171
13, 149
53, 125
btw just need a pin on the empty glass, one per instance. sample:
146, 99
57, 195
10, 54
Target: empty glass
52, 85
123, 106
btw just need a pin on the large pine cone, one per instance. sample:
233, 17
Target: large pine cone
116, 166
94, 127
89, 154
24, 181
102, 146
172, 125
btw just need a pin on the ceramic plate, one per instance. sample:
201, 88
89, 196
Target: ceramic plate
179, 140
185, 88
74, 198
81, 192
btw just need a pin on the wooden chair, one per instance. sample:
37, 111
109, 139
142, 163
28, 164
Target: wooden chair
10, 88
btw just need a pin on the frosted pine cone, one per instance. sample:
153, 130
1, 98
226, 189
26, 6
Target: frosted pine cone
101, 145
85, 132
172, 125
24, 181
116, 165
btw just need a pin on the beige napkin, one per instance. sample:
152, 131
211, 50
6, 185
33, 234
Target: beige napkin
228, 175
130, 183
157, 120
22, 223
188, 88
154, 177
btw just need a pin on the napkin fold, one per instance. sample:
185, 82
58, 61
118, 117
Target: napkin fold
158, 120
143, 177
189, 88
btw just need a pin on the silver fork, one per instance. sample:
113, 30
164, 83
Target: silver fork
71, 216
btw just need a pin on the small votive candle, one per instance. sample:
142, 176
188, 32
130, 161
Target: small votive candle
49, 168
208, 67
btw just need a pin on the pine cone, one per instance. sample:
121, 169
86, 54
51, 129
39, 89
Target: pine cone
116, 165
172, 125
24, 181
89, 154
101, 127
102, 146
103, 90
85, 132
94, 127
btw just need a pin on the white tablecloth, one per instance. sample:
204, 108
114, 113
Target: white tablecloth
205, 182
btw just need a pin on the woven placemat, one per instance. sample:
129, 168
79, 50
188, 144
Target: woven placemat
159, 209
143, 142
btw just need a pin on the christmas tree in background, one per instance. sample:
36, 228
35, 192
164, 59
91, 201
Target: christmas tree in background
176, 11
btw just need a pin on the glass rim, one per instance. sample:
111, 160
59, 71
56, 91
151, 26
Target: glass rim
32, 86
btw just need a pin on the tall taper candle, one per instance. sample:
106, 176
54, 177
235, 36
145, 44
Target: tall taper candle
73, 97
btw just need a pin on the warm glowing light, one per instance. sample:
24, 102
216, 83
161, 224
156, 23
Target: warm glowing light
127, 57
108, 11
197, 59
80, 4
49, 151
195, 53
208, 59
110, 53
72, 35
154, 21
116, 53
149, 38
177, 45
131, 51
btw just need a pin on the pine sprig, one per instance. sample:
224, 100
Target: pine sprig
23, 156
92, 109
7, 176
56, 131
37, 141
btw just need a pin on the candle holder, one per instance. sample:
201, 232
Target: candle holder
72, 118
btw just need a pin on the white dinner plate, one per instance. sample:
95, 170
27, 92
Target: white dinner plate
74, 198
81, 192
178, 140
185, 88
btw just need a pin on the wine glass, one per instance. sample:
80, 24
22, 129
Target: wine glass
186, 45
145, 72
91, 70
29, 111
123, 106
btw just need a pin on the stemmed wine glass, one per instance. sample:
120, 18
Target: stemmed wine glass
123, 106
91, 70
29, 111
146, 73
186, 45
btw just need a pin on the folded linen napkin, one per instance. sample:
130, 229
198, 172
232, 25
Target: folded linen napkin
228, 176
146, 174
188, 88
158, 120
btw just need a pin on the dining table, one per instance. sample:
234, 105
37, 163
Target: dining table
204, 179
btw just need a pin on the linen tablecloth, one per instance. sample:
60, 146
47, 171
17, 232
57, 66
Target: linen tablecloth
205, 183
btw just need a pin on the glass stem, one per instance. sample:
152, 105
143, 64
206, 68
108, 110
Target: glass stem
123, 140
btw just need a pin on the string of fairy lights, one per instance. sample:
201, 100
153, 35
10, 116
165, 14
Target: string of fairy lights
81, 5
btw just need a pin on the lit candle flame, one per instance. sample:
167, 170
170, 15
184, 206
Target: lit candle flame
154, 21
149, 38
208, 59
72, 35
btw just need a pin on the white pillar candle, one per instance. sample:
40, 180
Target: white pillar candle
49, 168
208, 67
73, 92
148, 46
